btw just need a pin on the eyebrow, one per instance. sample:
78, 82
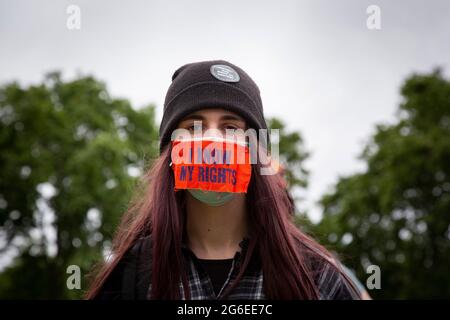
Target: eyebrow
222, 118
194, 117
231, 117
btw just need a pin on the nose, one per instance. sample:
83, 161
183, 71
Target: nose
212, 129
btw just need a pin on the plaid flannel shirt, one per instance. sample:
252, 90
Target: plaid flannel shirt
331, 283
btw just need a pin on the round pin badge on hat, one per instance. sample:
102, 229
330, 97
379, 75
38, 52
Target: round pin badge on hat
224, 73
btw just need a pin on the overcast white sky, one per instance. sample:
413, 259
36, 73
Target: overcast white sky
317, 65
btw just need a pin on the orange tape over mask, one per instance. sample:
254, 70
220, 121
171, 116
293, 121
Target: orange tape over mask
211, 165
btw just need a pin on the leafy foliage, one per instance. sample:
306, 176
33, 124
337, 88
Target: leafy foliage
396, 214
70, 157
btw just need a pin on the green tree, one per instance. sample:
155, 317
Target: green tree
70, 156
292, 157
292, 154
396, 214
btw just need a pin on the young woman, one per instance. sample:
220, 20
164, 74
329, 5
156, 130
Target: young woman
200, 243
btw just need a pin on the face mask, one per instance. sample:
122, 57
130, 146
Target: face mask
211, 169
211, 198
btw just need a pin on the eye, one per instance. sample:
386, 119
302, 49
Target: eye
231, 126
193, 127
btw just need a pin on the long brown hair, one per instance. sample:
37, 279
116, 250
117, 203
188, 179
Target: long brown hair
286, 253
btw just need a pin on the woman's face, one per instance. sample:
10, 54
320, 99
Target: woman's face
218, 123
213, 122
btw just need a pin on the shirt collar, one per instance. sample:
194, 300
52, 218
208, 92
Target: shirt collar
243, 244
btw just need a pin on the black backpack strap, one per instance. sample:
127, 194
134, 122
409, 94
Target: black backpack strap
129, 262
144, 269
130, 279
136, 274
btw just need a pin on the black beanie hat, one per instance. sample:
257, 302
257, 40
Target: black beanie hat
210, 84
